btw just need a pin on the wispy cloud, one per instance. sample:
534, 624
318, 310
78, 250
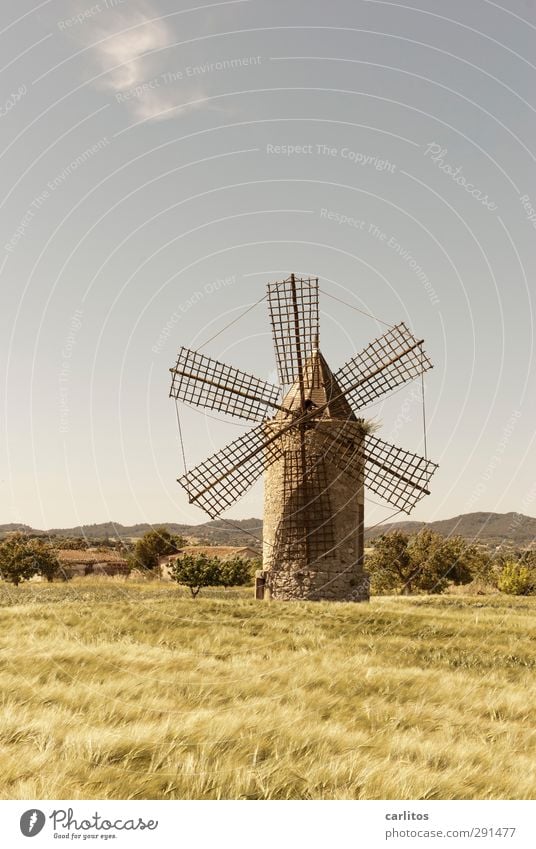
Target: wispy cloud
128, 48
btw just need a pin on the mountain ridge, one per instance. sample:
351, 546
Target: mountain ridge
487, 527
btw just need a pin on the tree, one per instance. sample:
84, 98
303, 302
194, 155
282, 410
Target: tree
196, 571
153, 545
17, 562
45, 559
235, 572
390, 565
479, 563
436, 560
425, 562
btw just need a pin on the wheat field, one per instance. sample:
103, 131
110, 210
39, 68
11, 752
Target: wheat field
113, 690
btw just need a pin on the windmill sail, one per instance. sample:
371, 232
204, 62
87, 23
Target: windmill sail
388, 362
399, 477
293, 307
204, 382
216, 483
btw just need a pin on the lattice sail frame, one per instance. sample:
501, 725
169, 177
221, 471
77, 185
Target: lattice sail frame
216, 483
388, 362
293, 324
205, 382
398, 476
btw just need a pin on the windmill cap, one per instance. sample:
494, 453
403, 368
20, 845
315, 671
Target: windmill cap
321, 388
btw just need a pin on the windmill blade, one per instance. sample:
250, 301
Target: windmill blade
293, 307
204, 382
388, 362
216, 483
399, 477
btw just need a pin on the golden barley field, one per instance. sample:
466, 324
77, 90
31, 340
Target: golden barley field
116, 690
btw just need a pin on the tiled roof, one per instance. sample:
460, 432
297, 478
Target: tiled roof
222, 551
73, 555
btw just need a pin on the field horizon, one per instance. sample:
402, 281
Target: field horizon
120, 691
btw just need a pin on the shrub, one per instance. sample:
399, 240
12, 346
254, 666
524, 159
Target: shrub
516, 579
235, 572
196, 571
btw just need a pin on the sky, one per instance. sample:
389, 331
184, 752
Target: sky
161, 162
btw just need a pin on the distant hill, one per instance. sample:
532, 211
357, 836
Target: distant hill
489, 528
238, 532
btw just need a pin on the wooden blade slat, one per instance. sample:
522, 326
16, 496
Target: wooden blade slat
293, 308
217, 483
204, 382
397, 476
390, 361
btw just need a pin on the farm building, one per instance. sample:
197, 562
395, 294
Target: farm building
76, 563
222, 552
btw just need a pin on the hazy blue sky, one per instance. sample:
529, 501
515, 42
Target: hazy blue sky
151, 149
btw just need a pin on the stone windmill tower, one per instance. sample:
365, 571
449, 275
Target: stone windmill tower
316, 452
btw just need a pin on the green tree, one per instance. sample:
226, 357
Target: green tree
479, 563
196, 571
516, 578
45, 559
390, 565
435, 560
424, 562
235, 572
153, 545
17, 561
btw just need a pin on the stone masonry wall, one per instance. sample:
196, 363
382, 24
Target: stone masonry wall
337, 576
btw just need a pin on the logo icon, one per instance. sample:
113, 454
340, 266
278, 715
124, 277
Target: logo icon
32, 822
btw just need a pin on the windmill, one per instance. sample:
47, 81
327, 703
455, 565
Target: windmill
312, 445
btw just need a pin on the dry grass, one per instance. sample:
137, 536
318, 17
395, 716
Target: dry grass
114, 690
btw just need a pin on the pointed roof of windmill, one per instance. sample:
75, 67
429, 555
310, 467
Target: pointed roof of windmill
321, 388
